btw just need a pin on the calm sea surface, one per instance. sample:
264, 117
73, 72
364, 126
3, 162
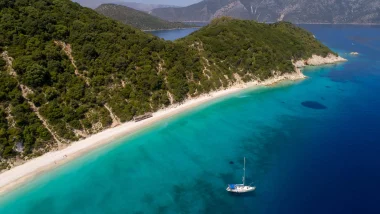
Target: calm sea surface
173, 34
312, 146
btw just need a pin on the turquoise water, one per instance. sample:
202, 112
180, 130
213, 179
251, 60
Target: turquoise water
303, 158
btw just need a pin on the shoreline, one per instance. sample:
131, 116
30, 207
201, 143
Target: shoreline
322, 23
184, 28
303, 23
19, 175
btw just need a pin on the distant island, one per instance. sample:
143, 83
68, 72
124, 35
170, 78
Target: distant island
68, 73
137, 19
301, 11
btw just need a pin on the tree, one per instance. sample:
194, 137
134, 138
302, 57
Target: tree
36, 76
61, 32
2, 62
51, 93
89, 52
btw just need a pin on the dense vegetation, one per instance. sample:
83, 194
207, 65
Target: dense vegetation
137, 19
20, 129
254, 48
78, 72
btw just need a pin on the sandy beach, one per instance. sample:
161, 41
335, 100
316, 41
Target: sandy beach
17, 176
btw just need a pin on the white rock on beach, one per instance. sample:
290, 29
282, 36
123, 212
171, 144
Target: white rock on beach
319, 60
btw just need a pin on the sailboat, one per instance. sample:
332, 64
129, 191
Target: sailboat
240, 188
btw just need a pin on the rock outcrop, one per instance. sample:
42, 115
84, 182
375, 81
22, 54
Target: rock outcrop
319, 60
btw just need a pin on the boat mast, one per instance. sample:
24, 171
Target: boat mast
244, 173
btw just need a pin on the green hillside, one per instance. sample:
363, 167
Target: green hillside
77, 72
254, 48
137, 19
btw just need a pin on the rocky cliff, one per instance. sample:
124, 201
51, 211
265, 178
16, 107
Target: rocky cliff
296, 11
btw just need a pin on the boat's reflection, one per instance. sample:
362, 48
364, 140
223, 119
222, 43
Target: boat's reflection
245, 195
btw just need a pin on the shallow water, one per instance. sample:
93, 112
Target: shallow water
302, 160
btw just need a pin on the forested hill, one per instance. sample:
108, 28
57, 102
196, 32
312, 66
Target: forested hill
136, 18
135, 5
68, 72
295, 11
253, 49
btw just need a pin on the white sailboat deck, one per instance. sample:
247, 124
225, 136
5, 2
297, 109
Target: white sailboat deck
240, 188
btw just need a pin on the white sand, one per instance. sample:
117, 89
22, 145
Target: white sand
18, 175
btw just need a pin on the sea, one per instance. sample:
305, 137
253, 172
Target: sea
311, 146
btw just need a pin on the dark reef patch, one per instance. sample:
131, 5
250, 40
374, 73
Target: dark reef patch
231, 162
313, 105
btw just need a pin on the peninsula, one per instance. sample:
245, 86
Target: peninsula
71, 79
137, 19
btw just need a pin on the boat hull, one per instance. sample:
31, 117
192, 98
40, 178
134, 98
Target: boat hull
241, 189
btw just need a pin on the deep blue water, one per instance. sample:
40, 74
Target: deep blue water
303, 159
173, 34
